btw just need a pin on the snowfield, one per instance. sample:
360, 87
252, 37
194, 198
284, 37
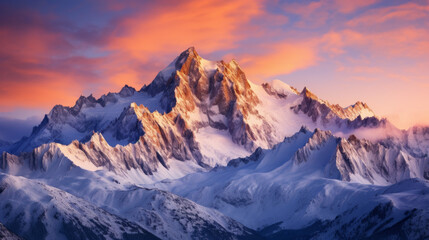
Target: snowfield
203, 153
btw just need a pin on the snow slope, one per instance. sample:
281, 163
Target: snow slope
162, 213
65, 124
189, 102
299, 182
202, 152
417, 140
36, 211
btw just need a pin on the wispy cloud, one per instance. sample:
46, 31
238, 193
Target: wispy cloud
52, 53
279, 58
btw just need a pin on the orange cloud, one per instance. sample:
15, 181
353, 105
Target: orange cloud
316, 14
342, 6
35, 67
332, 43
154, 36
45, 60
304, 10
401, 13
37, 56
41, 94
405, 42
42, 83
351, 6
211, 25
279, 58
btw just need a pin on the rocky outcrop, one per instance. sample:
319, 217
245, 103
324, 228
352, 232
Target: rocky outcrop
146, 129
351, 159
193, 93
36, 211
219, 91
360, 160
127, 91
377, 163
7, 235
353, 117
417, 140
315, 143
279, 89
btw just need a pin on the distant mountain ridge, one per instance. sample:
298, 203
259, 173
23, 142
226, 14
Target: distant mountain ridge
190, 96
202, 152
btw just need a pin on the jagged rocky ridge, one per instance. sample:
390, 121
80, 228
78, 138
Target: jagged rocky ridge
164, 214
295, 191
6, 234
352, 117
380, 221
417, 141
196, 116
33, 210
147, 129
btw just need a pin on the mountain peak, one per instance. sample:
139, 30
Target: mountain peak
185, 57
279, 88
233, 63
191, 51
359, 109
321, 133
166, 77
89, 101
97, 137
304, 129
127, 91
359, 103
306, 93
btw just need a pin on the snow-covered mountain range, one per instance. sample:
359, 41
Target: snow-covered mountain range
203, 153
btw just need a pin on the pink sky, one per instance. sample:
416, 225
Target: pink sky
344, 51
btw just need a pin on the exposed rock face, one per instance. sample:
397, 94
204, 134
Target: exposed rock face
352, 159
143, 155
279, 89
218, 90
317, 141
383, 221
36, 211
148, 128
295, 189
256, 155
377, 163
361, 160
353, 117
66, 124
163, 135
193, 93
100, 210
127, 91
6, 234
108, 150
417, 140
170, 216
